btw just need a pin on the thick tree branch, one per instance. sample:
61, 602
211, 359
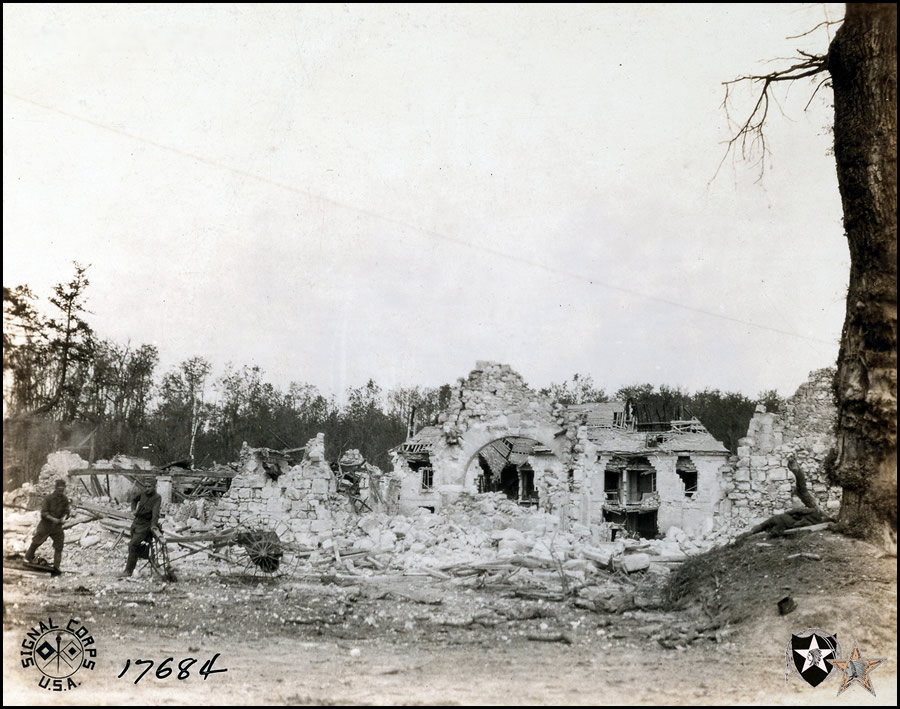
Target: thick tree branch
750, 137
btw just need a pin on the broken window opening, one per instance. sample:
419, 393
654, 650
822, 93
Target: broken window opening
505, 468
643, 525
687, 471
612, 481
647, 482
641, 480
690, 483
426, 473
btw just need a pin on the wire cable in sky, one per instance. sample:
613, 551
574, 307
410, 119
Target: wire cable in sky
414, 228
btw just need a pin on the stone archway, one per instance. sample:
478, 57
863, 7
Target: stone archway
504, 466
476, 437
513, 462
492, 403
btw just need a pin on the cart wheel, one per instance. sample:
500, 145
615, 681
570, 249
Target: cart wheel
159, 558
263, 547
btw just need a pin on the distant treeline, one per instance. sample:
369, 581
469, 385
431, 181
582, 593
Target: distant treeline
66, 387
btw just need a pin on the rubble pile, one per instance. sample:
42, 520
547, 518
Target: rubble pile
25, 497
85, 545
484, 535
60, 464
18, 526
336, 520
192, 515
491, 534
56, 468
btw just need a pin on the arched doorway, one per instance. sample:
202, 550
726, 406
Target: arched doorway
505, 465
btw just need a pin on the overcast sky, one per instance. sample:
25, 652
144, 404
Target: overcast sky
339, 192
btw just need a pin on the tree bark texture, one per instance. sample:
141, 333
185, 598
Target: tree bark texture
862, 61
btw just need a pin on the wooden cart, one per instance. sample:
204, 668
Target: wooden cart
260, 547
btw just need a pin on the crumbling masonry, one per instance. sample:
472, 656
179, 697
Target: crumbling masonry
759, 481
589, 463
594, 463
302, 495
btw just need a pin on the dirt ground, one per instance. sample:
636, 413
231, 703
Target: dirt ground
709, 633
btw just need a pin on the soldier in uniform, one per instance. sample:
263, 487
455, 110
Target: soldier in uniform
145, 506
54, 510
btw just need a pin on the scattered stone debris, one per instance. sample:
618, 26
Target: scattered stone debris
291, 512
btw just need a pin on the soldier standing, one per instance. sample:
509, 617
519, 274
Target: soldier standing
54, 510
145, 506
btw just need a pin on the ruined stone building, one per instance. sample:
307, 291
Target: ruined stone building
588, 463
591, 462
594, 463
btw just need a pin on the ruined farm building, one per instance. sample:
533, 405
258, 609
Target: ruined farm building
589, 462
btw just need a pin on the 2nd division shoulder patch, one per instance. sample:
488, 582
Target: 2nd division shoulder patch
807, 654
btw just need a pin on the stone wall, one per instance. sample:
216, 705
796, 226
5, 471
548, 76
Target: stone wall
493, 402
759, 483
302, 496
494, 392
580, 458
692, 514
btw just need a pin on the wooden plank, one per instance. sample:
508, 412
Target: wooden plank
810, 528
436, 574
197, 550
115, 525
549, 638
155, 472
80, 520
23, 565
19, 507
75, 472
191, 539
102, 511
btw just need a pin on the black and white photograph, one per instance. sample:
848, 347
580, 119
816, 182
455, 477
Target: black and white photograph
450, 354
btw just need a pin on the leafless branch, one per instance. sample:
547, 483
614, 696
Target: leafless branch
822, 83
749, 137
825, 23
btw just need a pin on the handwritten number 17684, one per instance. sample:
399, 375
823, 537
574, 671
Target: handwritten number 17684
164, 668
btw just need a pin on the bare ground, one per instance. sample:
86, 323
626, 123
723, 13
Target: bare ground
707, 634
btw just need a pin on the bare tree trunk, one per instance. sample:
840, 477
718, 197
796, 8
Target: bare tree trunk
862, 61
195, 424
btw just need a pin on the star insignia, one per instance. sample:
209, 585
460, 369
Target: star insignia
814, 655
857, 669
